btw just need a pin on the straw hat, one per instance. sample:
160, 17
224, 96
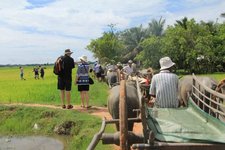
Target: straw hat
166, 63
83, 58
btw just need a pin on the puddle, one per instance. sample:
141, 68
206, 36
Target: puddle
30, 143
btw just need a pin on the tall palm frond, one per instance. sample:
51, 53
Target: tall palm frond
182, 23
156, 27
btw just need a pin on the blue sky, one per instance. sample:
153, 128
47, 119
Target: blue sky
38, 31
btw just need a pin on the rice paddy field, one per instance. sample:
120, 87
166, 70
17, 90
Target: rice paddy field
15, 90
44, 91
19, 120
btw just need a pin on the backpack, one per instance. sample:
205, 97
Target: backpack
58, 66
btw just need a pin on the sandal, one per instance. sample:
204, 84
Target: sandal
88, 106
69, 106
63, 106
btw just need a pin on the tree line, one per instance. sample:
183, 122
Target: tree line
197, 47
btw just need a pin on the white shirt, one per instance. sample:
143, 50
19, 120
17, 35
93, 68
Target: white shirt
128, 70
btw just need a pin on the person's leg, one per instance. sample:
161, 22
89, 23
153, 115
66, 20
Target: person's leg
68, 93
85, 99
86, 95
68, 99
61, 87
62, 96
82, 97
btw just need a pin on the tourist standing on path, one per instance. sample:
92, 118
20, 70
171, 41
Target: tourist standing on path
82, 81
65, 79
21, 73
164, 86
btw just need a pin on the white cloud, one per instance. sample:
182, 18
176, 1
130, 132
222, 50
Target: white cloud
40, 34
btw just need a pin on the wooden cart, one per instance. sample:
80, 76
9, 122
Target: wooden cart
198, 126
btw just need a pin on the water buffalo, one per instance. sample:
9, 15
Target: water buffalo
132, 102
112, 78
185, 86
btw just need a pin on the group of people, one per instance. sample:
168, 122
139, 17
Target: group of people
98, 71
163, 91
81, 80
163, 88
35, 70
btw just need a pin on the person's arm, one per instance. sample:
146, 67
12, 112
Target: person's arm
77, 75
152, 93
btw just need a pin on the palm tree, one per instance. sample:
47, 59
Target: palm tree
132, 38
182, 23
156, 27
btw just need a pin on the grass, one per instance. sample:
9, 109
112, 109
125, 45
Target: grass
14, 90
20, 121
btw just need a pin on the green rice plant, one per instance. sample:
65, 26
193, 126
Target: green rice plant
15, 90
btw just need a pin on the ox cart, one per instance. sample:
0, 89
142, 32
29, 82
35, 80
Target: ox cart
198, 126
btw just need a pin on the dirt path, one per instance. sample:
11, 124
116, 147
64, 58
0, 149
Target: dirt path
94, 110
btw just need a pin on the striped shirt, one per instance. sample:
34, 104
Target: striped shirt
82, 74
164, 86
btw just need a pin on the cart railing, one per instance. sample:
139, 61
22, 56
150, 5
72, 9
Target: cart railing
207, 99
123, 137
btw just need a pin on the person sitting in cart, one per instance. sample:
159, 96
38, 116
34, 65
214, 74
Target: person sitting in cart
164, 86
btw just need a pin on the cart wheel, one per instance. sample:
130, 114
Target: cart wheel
123, 116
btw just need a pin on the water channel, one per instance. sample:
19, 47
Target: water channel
30, 143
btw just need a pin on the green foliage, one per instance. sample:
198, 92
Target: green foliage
156, 27
132, 37
151, 52
195, 47
106, 48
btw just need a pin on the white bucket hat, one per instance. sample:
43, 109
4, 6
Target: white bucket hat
130, 62
84, 58
166, 63
119, 64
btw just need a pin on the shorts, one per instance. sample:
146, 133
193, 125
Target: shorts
64, 84
99, 75
83, 87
